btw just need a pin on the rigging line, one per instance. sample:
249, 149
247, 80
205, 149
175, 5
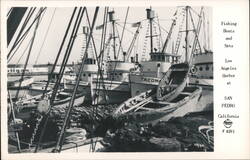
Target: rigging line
99, 69
160, 31
16, 51
126, 17
101, 56
19, 45
30, 40
160, 26
28, 56
56, 84
30, 13
23, 52
60, 139
67, 53
46, 34
116, 60
59, 52
28, 16
66, 60
204, 31
96, 56
10, 10
132, 44
120, 42
196, 39
195, 12
125, 28
103, 32
69, 47
27, 30
14, 120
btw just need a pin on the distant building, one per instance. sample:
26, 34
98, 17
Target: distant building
18, 69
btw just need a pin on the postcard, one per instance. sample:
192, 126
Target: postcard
124, 79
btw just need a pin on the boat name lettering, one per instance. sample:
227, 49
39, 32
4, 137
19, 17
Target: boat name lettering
150, 80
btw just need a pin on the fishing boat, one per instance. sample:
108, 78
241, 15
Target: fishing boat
37, 88
171, 97
115, 88
202, 71
90, 71
145, 108
24, 83
152, 70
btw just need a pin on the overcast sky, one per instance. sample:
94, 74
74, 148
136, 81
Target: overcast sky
45, 48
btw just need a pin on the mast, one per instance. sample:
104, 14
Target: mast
150, 17
186, 53
168, 36
85, 32
111, 19
208, 40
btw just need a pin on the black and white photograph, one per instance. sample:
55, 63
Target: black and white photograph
110, 79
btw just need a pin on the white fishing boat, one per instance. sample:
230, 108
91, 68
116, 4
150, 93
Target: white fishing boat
152, 70
115, 88
202, 71
24, 83
144, 108
37, 88
171, 99
89, 72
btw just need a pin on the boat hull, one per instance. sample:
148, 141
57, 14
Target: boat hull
26, 82
83, 88
111, 92
173, 109
140, 83
203, 82
24, 110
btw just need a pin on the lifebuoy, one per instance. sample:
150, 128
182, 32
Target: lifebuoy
193, 70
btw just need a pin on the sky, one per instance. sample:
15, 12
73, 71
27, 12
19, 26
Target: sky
49, 35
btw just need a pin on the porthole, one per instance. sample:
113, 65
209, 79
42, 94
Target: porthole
200, 68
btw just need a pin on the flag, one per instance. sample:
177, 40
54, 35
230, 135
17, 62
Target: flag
137, 24
99, 27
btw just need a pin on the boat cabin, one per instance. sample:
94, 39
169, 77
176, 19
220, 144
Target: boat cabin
90, 69
158, 64
164, 57
119, 70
